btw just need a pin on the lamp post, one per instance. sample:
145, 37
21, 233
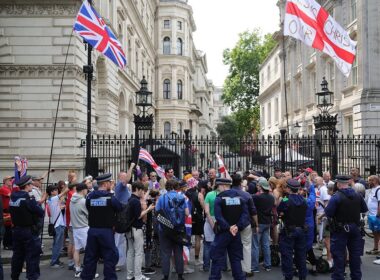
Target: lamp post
143, 120
325, 130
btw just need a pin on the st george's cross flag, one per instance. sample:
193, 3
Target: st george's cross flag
222, 168
92, 28
307, 21
144, 155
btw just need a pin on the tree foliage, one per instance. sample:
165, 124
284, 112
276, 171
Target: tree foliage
241, 86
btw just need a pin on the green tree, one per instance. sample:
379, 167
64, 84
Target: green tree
228, 130
241, 86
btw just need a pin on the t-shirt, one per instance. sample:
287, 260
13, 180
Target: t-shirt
67, 210
373, 202
322, 196
122, 192
264, 203
55, 211
210, 200
5, 193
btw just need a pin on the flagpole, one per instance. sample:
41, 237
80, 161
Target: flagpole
88, 70
284, 69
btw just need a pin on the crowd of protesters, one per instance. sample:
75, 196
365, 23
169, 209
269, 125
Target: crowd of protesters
147, 246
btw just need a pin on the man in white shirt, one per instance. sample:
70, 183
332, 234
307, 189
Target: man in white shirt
321, 202
373, 203
56, 205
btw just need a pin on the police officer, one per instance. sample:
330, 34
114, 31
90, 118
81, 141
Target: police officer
292, 211
231, 214
102, 207
25, 214
344, 210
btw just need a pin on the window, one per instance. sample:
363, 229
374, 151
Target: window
276, 65
262, 117
310, 130
166, 46
348, 126
137, 64
299, 95
262, 79
179, 46
179, 89
179, 129
276, 110
354, 72
166, 24
269, 118
268, 72
179, 25
167, 89
353, 10
167, 129
313, 85
331, 76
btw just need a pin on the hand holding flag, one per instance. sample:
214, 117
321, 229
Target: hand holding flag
222, 168
144, 155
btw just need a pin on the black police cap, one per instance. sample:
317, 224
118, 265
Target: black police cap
104, 178
24, 180
342, 178
223, 181
293, 184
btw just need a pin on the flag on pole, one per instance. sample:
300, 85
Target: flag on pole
21, 167
222, 168
307, 21
92, 28
144, 155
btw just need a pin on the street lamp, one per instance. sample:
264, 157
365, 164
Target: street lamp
325, 131
324, 98
143, 120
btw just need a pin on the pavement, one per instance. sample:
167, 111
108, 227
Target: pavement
370, 271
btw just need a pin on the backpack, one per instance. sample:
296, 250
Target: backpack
124, 219
196, 208
174, 212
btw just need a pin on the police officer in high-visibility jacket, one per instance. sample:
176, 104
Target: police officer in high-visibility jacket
231, 214
102, 207
344, 210
25, 214
292, 211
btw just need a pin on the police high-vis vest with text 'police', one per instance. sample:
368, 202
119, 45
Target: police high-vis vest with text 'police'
231, 209
348, 209
20, 213
100, 212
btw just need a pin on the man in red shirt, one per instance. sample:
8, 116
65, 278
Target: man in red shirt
5, 192
72, 178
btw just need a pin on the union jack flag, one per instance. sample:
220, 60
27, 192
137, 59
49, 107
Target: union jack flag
92, 28
144, 155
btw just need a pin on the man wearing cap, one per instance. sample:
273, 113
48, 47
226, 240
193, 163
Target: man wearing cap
292, 211
232, 216
344, 211
102, 207
25, 214
264, 203
5, 192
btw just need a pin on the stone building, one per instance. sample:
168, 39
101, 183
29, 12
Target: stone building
356, 98
35, 37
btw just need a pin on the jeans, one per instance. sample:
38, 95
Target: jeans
206, 255
57, 244
261, 240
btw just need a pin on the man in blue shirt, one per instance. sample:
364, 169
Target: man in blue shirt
167, 245
135, 238
122, 194
344, 210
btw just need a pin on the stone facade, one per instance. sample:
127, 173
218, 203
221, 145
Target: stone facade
34, 40
356, 98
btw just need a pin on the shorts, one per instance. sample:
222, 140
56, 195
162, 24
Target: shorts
374, 223
197, 227
70, 235
80, 237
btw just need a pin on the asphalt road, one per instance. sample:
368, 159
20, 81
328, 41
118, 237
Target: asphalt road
370, 271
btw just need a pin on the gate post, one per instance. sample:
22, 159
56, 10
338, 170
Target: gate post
187, 149
282, 149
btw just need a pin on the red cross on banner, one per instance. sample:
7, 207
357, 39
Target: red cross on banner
307, 21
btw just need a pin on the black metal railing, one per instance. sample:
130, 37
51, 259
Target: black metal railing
114, 153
